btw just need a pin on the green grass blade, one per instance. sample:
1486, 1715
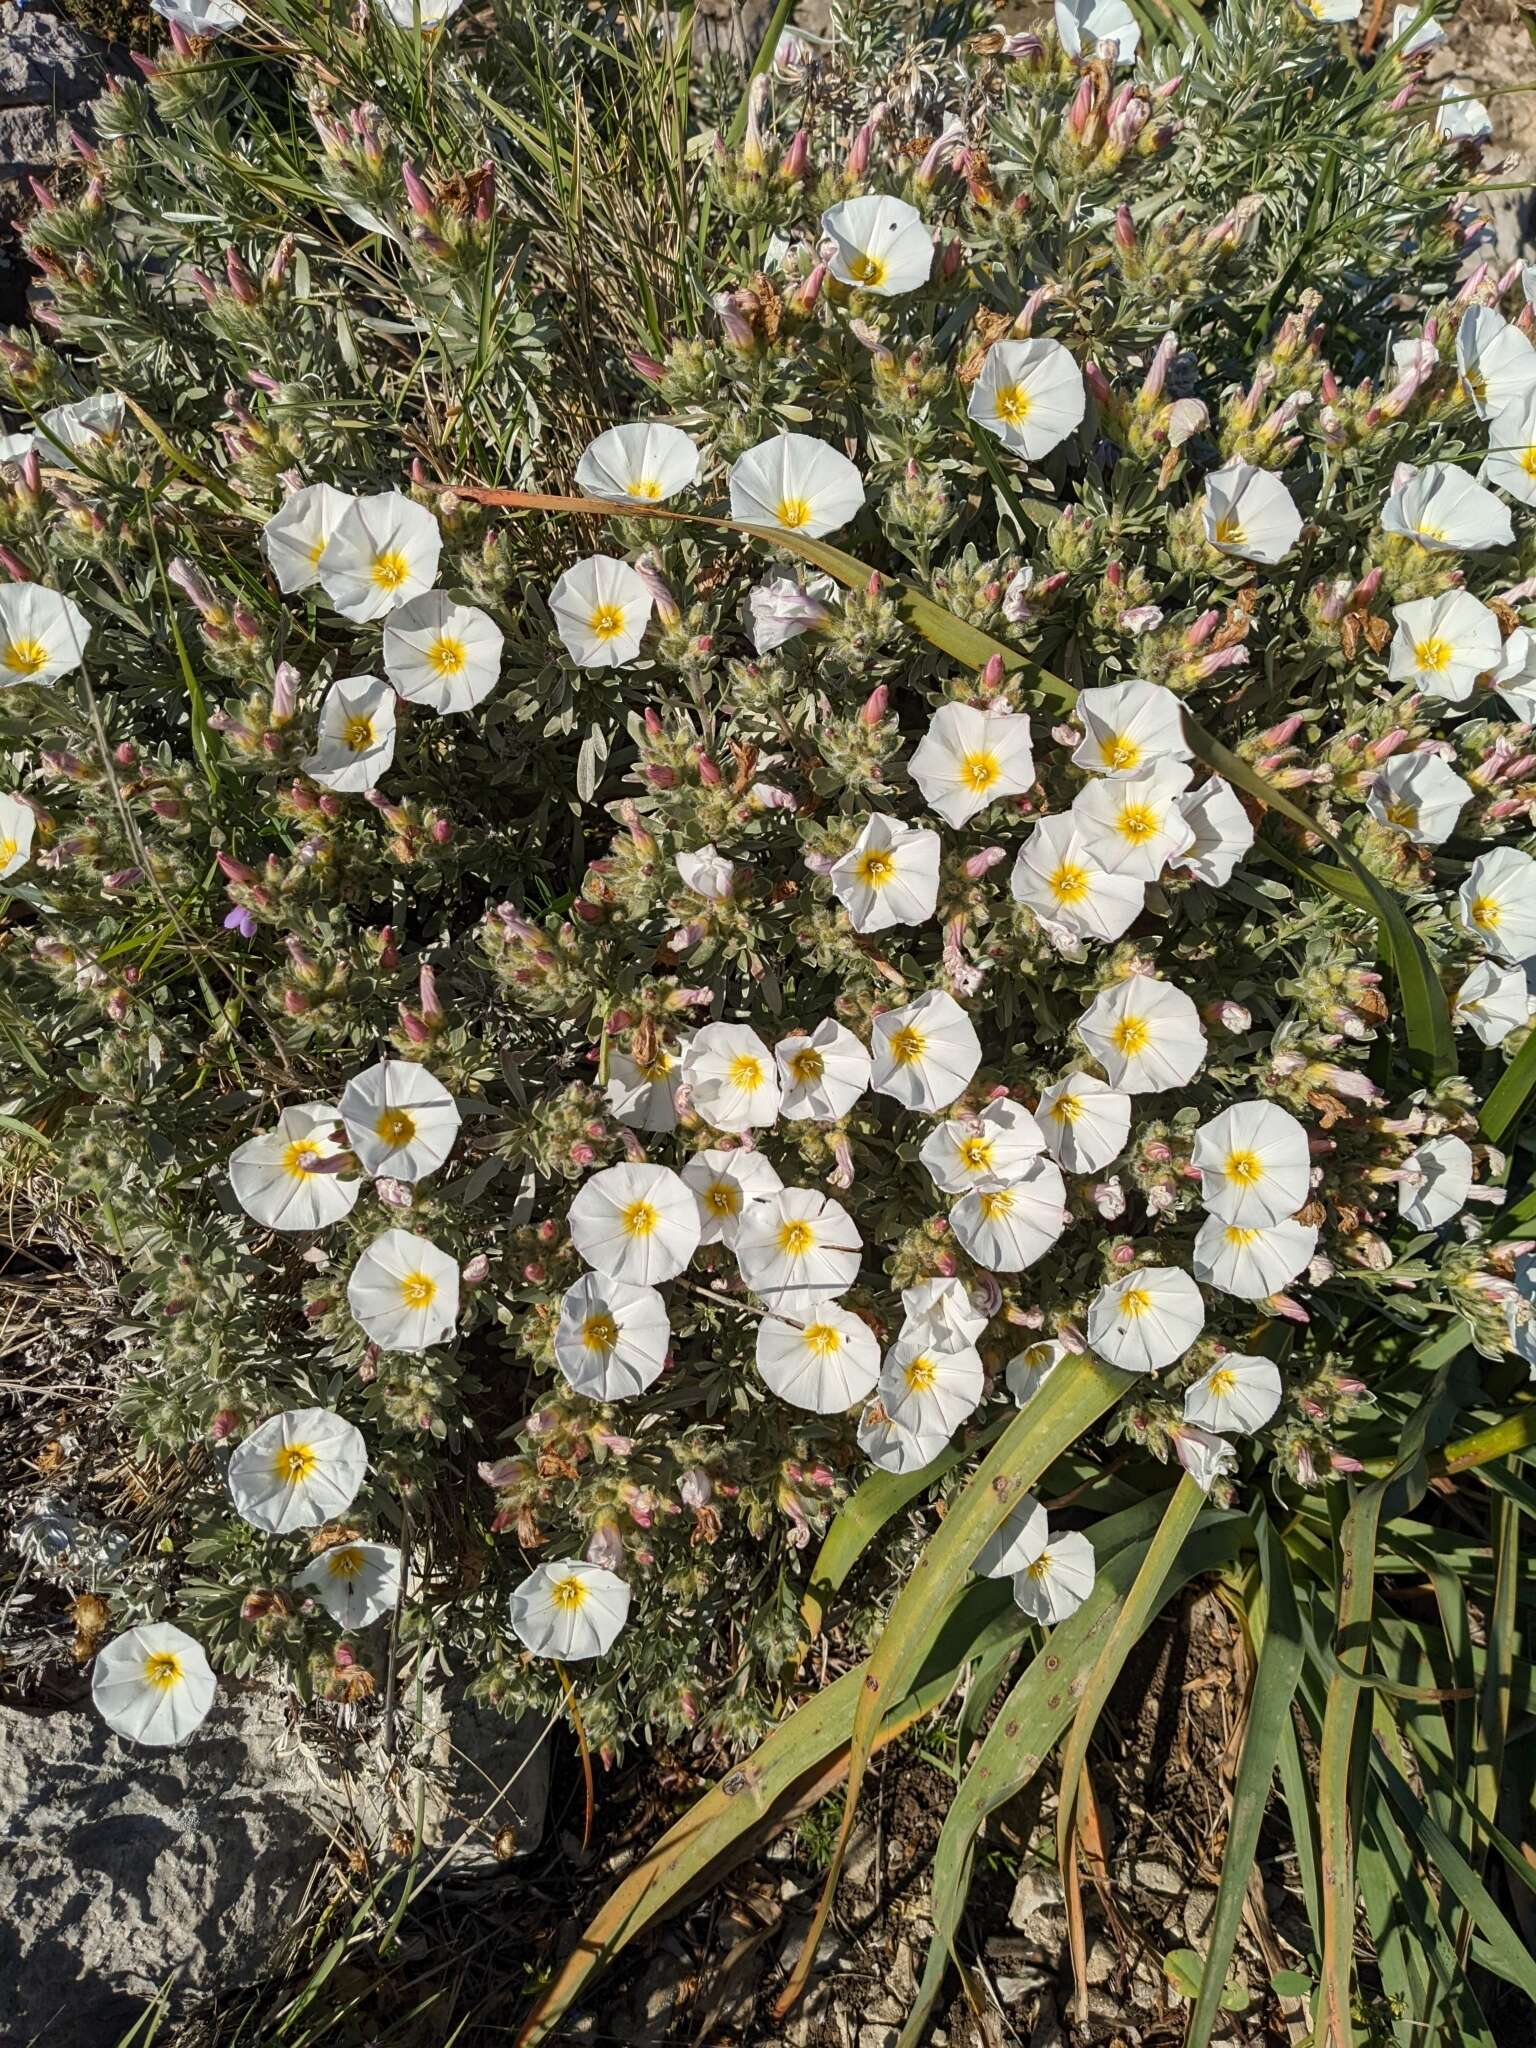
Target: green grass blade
1510, 1096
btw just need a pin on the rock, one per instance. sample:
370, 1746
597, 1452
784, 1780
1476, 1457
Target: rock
1102, 1960
50, 71
120, 1864
859, 1863
1152, 1874
878, 2037
1198, 1910
1038, 1892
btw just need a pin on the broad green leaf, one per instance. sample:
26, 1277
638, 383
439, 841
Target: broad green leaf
1510, 1096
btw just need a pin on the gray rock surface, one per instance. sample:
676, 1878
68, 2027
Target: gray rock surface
49, 71
119, 1864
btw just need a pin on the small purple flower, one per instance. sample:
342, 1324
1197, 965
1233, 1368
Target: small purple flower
240, 920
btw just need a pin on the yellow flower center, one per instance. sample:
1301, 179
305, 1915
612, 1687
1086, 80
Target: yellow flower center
317, 549
395, 1126
599, 1333
869, 271
1433, 654
606, 621
1138, 823
1402, 813
1245, 1168
920, 1374
1135, 1303
793, 512
1131, 1036
1486, 913
1069, 882
1039, 1568
296, 1157
796, 1238
162, 1669
447, 656
357, 733
1427, 532
1528, 460
979, 771
747, 1071
1239, 1236
976, 1154
294, 1463
390, 569
723, 1197
907, 1045
1119, 751
1012, 403
25, 657
656, 1069
822, 1341
418, 1290
806, 1065
640, 1218
568, 1593
646, 487
997, 1204
1066, 1109
1477, 384
1221, 1382
875, 868
346, 1563
1229, 531
8, 850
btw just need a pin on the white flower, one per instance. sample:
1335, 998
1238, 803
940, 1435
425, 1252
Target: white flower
400, 1119
1084, 25
1204, 1456
1028, 1370
299, 1469
894, 1449
1129, 726
1441, 508
726, 1183
18, 822
988, 1151
383, 551
442, 654
1085, 1122
1145, 1034
1494, 1000
15, 447
925, 1053
1249, 513
569, 1610
1496, 361
612, 1338
731, 1078
356, 1583
1223, 832
648, 460
273, 1175
706, 873
1511, 459
823, 1073
1421, 794
1437, 1180
1254, 1163
797, 483
423, 14
880, 244
1240, 1392
796, 1247
153, 1685
969, 757
635, 1222
1427, 36
84, 427
1443, 644
404, 1292
1010, 1548
1006, 1229
355, 735
946, 1308
645, 1097
1497, 903
782, 609
1515, 676
1461, 118
826, 1361
1146, 1319
889, 876
928, 1389
297, 534
1030, 394
1132, 824
1249, 1260
1061, 879
205, 18
601, 608
42, 634
1331, 11
1057, 1579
